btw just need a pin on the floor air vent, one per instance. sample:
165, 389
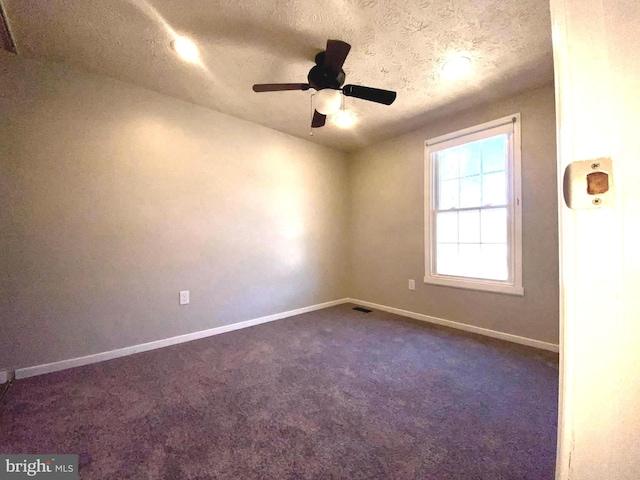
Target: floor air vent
362, 309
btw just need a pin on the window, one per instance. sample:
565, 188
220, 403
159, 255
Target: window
473, 225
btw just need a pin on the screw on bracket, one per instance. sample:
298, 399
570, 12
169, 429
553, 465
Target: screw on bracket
596, 201
595, 165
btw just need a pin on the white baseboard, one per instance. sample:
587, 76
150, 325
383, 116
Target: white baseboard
462, 326
4, 377
121, 352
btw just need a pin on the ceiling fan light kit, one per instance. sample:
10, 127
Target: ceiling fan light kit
327, 101
327, 77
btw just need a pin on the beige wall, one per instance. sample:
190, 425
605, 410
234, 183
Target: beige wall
114, 198
387, 226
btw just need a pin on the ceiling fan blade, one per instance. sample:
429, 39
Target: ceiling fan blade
336, 54
277, 87
318, 119
367, 93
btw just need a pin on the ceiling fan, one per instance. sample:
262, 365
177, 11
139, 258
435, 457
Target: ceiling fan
327, 74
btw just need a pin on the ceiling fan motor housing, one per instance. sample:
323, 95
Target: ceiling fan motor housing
321, 77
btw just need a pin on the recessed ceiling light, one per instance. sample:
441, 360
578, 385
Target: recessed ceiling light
186, 49
456, 67
344, 118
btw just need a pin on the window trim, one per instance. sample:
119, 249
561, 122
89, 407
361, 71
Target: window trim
513, 286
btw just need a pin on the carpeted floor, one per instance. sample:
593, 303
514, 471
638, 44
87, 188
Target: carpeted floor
333, 394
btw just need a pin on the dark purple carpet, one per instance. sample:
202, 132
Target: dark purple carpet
330, 394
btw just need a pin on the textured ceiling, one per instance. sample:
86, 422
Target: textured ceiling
396, 45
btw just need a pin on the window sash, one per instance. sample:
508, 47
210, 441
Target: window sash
466, 209
469, 135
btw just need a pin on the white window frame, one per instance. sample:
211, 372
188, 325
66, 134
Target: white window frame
513, 285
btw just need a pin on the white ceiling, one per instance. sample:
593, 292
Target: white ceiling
396, 45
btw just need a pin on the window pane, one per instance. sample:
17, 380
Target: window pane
447, 164
470, 159
459, 260
447, 259
494, 262
449, 191
447, 227
470, 192
470, 261
469, 222
494, 189
473, 260
493, 154
494, 225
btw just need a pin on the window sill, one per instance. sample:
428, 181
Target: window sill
472, 284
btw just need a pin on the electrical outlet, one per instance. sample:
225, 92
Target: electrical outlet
184, 297
412, 284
